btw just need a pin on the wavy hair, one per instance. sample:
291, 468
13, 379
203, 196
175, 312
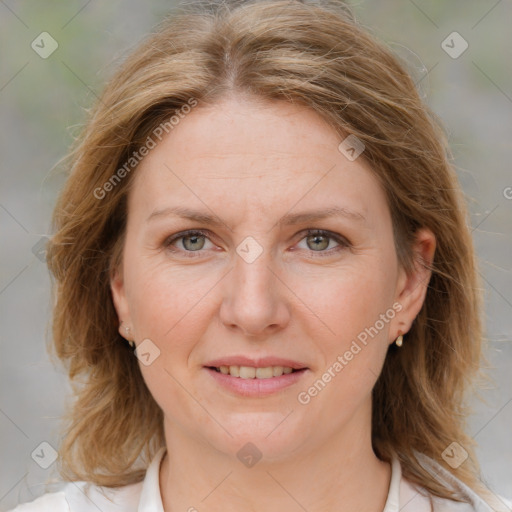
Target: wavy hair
313, 54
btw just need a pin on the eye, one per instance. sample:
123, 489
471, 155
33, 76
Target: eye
190, 241
318, 240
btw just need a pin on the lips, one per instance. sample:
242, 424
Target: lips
261, 362
248, 377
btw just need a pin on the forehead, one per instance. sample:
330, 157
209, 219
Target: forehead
251, 130
254, 155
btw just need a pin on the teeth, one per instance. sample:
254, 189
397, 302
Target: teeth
277, 371
246, 372
249, 372
264, 373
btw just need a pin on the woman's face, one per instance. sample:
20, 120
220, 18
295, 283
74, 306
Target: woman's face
254, 288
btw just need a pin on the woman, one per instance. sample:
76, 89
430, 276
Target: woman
263, 208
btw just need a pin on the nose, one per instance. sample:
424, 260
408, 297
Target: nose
254, 298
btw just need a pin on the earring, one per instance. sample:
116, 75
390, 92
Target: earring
399, 340
130, 342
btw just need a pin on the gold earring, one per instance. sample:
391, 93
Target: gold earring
399, 340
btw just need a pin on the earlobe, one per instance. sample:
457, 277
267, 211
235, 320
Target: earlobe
119, 299
413, 286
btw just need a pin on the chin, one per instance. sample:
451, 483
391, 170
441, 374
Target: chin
272, 436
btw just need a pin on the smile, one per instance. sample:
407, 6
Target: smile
249, 372
257, 382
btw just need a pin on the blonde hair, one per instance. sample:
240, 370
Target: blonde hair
313, 54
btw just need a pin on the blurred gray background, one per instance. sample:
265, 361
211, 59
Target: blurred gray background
43, 101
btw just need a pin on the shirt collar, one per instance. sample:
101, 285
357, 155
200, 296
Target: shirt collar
393, 501
151, 499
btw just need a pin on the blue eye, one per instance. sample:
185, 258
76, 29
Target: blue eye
193, 241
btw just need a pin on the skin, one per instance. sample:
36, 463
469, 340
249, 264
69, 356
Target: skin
249, 163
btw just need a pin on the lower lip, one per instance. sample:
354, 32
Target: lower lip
256, 387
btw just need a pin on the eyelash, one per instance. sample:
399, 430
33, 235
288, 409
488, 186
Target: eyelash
310, 232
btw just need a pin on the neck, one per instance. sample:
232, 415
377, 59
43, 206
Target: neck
342, 474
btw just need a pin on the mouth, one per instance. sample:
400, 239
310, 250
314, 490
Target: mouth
250, 372
255, 381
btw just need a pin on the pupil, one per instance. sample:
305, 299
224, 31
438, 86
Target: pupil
316, 237
194, 239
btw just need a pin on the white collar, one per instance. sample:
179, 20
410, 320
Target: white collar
402, 495
393, 501
151, 499
145, 496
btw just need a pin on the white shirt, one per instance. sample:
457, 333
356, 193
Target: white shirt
145, 496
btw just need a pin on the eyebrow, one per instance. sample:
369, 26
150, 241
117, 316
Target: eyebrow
289, 219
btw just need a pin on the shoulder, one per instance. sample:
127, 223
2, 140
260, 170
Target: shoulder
86, 497
52, 501
418, 499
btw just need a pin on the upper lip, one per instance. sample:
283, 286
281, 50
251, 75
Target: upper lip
259, 362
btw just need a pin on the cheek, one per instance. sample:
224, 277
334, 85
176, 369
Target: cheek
355, 344
348, 301
353, 347
168, 307
167, 303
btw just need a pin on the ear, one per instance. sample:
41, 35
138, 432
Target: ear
119, 298
412, 288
